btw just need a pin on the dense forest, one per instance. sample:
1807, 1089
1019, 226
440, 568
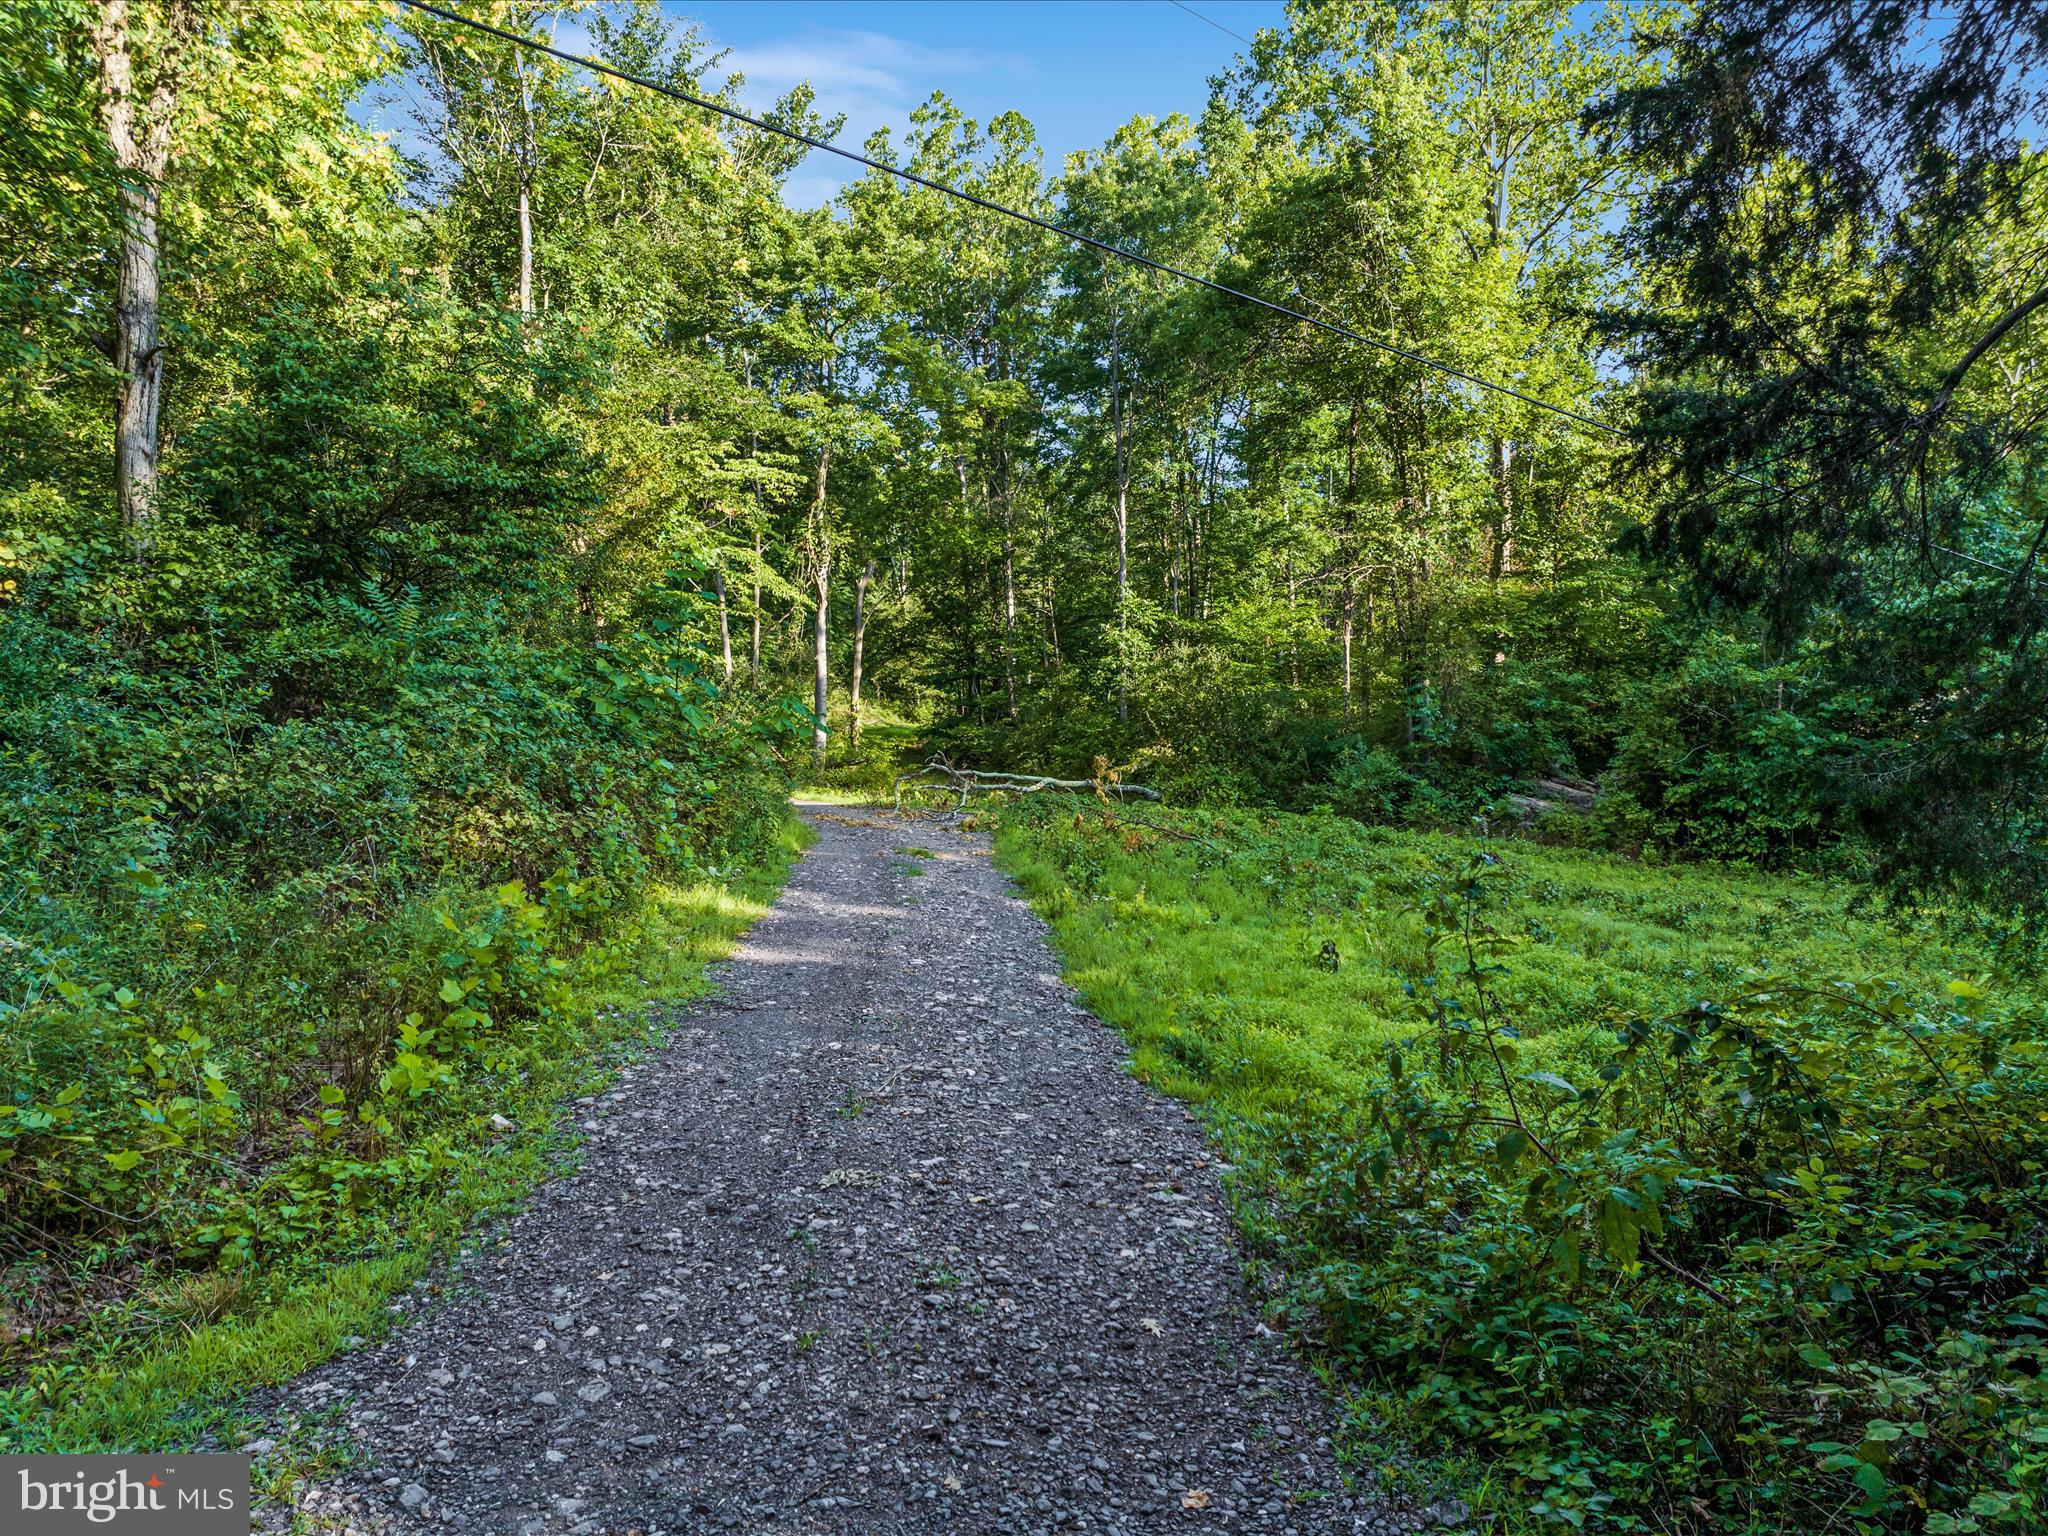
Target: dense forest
428, 559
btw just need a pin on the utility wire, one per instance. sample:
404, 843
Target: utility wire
1216, 24
1590, 423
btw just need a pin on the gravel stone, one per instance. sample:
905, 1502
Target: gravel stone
885, 1239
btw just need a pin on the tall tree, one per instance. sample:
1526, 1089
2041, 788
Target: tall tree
143, 57
1847, 243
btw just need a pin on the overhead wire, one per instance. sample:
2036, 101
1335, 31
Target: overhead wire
1138, 258
1211, 21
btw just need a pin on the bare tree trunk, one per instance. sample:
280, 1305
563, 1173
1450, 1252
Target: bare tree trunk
1350, 622
821, 577
1123, 507
1287, 513
724, 622
821, 684
860, 639
754, 467
525, 247
1049, 629
1500, 165
754, 660
138, 126
526, 158
1350, 550
1504, 518
1002, 478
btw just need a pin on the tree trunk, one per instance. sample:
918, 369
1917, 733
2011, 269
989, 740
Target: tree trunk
526, 159
525, 247
754, 660
1002, 487
1350, 548
860, 639
821, 577
1123, 507
1350, 623
754, 473
138, 125
821, 685
724, 623
1504, 518
1049, 629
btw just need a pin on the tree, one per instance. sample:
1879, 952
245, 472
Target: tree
1842, 374
143, 59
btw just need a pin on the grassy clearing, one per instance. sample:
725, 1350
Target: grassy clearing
890, 741
1821, 1126
167, 1378
1292, 940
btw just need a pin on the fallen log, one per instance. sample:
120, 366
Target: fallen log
939, 773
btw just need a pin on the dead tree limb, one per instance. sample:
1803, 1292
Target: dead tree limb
939, 773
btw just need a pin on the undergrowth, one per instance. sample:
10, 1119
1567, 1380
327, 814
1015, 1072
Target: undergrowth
164, 1360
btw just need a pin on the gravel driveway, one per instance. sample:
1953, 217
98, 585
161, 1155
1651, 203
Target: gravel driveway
884, 1240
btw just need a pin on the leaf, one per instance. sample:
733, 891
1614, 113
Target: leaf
122, 1162
451, 990
1195, 1498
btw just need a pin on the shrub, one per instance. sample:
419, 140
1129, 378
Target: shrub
308, 815
1773, 1261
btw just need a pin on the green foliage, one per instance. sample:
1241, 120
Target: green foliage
1727, 756
165, 1361
1700, 1203
320, 820
1838, 344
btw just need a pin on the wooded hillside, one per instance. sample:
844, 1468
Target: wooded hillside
428, 558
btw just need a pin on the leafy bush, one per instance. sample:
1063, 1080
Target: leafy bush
1771, 1261
312, 808
1723, 755
1371, 784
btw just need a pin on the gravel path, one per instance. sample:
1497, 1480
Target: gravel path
885, 1240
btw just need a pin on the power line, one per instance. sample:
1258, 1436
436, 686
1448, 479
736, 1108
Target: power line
1590, 423
1216, 24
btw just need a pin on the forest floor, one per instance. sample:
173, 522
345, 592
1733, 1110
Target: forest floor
886, 1239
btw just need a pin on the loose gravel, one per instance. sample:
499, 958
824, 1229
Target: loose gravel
885, 1239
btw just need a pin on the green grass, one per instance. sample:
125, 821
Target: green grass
1202, 950
169, 1388
890, 743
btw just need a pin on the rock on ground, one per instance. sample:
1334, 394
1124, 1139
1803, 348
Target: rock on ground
884, 1240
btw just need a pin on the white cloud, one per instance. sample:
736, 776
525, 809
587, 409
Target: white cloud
871, 77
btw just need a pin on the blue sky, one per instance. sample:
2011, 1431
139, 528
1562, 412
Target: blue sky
1076, 68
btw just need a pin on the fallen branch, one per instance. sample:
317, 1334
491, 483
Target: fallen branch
940, 773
